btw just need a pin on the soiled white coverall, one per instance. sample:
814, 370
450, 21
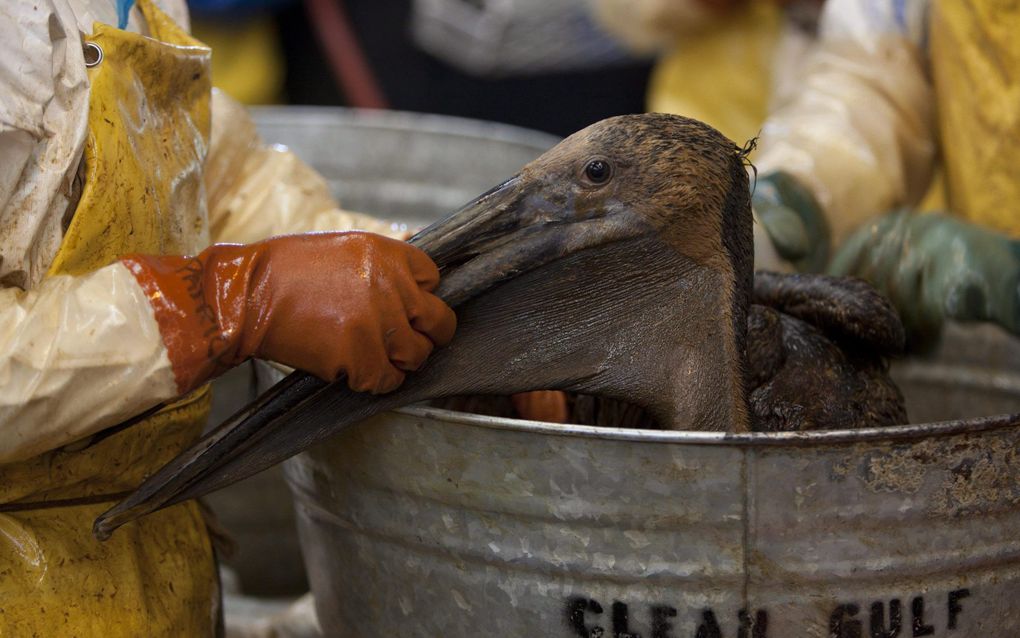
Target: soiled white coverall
78, 354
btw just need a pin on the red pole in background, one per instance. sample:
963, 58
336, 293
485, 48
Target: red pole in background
343, 52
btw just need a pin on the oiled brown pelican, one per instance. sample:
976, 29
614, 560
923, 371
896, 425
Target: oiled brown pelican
618, 264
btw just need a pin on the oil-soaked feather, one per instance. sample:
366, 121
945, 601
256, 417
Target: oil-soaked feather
843, 308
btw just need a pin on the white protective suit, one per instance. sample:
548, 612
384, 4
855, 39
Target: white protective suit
78, 354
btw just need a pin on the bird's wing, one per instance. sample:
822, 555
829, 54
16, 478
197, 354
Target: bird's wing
819, 384
843, 308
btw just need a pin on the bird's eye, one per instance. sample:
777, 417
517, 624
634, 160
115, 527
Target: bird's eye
598, 171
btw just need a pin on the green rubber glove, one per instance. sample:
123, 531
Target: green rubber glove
933, 267
793, 220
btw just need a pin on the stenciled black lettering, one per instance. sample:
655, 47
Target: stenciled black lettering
575, 615
917, 618
576, 608
954, 605
709, 627
878, 626
661, 627
621, 620
757, 628
842, 623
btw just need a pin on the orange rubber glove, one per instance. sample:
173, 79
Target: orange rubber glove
326, 303
542, 405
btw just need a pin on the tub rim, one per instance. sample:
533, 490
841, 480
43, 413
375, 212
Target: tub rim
910, 432
451, 126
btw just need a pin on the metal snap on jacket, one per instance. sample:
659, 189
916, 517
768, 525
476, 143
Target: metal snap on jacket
93, 54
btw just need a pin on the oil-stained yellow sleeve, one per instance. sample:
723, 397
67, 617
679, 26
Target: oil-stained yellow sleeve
860, 130
77, 354
256, 190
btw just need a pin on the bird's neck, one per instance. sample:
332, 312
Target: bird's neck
674, 338
713, 241
708, 373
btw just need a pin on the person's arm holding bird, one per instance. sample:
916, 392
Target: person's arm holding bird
83, 351
80, 353
256, 190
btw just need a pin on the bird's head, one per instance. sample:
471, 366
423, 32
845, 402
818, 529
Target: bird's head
654, 174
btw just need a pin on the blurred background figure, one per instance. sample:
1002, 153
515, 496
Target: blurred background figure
514, 37
547, 65
249, 62
906, 107
720, 61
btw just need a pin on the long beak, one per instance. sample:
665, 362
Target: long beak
510, 230
513, 228
464, 232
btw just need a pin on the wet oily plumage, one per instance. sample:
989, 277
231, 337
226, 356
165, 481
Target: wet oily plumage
618, 264
817, 351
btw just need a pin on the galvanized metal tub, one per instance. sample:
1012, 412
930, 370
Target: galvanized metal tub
430, 523
425, 522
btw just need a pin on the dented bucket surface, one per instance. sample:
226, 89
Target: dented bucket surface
425, 522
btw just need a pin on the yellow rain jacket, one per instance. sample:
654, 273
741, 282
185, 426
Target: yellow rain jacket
148, 129
724, 73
